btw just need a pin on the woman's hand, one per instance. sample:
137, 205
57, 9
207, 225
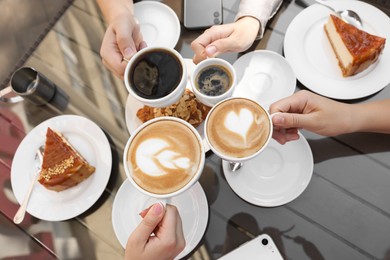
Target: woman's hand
168, 239
233, 37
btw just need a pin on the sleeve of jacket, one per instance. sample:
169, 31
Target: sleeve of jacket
262, 10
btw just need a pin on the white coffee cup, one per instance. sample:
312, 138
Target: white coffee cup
232, 119
211, 100
178, 72
139, 142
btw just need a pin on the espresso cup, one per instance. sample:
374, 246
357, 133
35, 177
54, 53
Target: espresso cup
213, 80
164, 157
238, 129
156, 76
27, 83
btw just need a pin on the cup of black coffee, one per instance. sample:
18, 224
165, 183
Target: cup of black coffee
213, 80
156, 76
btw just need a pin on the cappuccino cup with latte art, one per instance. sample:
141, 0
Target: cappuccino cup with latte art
238, 129
164, 157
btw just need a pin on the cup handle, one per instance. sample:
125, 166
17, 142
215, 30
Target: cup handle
4, 92
164, 202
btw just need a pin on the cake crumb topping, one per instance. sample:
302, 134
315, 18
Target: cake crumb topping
57, 169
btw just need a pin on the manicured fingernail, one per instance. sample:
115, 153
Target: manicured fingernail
128, 52
157, 208
143, 45
278, 120
211, 50
292, 137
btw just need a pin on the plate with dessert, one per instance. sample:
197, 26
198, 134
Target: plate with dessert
187, 108
336, 59
191, 204
74, 172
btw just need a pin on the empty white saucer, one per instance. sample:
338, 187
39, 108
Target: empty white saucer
275, 177
159, 24
264, 76
191, 204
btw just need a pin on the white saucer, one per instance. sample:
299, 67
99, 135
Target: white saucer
159, 24
275, 177
90, 141
132, 106
192, 206
309, 52
264, 76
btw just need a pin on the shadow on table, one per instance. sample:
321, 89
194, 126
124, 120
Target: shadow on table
348, 145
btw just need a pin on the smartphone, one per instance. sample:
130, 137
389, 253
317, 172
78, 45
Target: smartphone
202, 13
261, 247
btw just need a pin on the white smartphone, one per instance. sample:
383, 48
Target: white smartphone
202, 13
261, 247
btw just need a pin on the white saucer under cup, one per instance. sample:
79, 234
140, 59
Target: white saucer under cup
275, 177
191, 204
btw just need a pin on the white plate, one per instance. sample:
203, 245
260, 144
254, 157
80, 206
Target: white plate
275, 177
309, 52
264, 76
191, 204
90, 141
132, 106
159, 24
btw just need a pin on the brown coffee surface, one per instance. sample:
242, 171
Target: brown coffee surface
155, 74
164, 156
238, 127
213, 80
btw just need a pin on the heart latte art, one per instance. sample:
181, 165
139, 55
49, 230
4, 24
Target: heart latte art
164, 156
238, 127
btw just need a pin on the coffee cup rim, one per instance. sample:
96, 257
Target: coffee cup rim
235, 159
193, 180
209, 62
179, 88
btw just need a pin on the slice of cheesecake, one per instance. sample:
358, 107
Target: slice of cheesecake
62, 167
355, 49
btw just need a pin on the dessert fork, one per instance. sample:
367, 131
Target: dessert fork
19, 216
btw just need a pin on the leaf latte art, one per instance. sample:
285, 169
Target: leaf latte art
164, 156
155, 158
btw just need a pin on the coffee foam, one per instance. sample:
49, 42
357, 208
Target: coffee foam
154, 158
164, 156
238, 128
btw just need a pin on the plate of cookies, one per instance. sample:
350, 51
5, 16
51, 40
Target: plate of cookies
187, 108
